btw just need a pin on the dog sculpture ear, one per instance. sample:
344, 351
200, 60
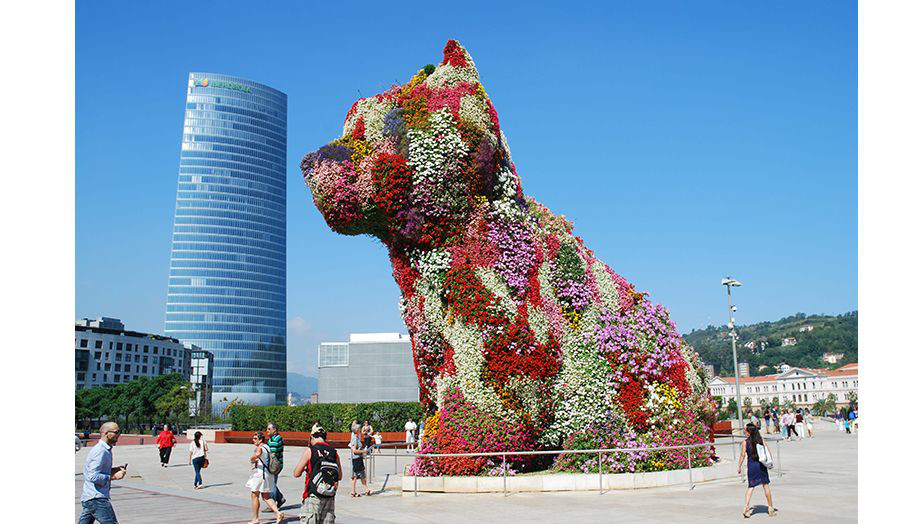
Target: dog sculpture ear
456, 67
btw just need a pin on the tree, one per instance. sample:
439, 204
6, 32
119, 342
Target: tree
173, 405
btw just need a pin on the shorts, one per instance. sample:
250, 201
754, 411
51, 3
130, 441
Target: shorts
317, 510
359, 469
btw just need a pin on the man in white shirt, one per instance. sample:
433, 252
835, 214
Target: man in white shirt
98, 473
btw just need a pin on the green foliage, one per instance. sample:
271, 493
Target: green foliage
135, 402
837, 334
383, 416
428, 69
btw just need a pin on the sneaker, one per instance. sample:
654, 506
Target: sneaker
267, 509
281, 502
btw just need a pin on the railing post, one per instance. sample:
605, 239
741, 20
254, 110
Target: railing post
778, 455
600, 469
690, 469
415, 481
733, 451
395, 461
504, 474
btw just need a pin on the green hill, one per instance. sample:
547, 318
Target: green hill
829, 334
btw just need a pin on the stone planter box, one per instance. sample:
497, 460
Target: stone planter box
568, 481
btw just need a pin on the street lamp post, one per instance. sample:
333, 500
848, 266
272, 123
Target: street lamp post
729, 282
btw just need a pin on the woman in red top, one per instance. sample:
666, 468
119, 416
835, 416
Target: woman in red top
165, 441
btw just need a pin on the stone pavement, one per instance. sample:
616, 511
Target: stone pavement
819, 485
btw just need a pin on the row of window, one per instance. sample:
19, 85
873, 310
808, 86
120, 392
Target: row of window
204, 159
201, 155
236, 110
266, 103
248, 258
276, 209
228, 292
98, 344
234, 310
241, 232
212, 144
223, 127
235, 176
276, 198
272, 245
255, 148
256, 276
208, 317
259, 94
264, 184
175, 298
265, 112
230, 283
244, 123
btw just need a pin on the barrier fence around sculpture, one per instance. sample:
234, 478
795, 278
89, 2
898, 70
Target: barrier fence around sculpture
733, 442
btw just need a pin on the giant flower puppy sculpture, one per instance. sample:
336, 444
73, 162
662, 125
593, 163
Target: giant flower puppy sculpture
521, 338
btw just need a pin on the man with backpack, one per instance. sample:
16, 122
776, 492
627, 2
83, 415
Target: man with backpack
276, 446
322, 465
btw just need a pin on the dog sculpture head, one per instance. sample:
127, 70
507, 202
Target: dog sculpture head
413, 162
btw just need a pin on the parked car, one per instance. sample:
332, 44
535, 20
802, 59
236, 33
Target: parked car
78, 444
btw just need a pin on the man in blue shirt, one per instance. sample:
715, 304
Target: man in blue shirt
98, 473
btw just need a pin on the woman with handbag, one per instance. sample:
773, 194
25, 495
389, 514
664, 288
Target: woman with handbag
759, 460
197, 456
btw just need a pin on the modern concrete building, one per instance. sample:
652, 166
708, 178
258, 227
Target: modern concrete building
107, 354
372, 367
228, 267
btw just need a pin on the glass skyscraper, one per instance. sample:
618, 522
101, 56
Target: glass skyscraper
227, 273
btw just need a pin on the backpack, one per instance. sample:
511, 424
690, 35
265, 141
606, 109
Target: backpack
273, 465
322, 477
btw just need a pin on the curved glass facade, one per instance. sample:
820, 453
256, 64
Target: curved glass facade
227, 273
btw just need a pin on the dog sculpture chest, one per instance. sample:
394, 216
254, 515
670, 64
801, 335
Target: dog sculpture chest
516, 327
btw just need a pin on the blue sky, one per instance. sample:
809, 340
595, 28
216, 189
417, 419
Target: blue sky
686, 140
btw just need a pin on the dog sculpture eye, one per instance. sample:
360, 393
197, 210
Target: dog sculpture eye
521, 337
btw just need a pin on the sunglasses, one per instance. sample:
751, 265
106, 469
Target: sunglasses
115, 432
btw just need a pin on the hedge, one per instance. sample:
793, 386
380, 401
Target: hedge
383, 416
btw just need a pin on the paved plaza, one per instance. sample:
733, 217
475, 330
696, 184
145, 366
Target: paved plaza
819, 484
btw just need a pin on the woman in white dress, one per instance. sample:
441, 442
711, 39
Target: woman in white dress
260, 482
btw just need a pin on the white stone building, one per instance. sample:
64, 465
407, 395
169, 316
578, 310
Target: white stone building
107, 354
804, 387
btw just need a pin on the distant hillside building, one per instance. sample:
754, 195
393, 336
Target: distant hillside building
710, 371
789, 341
801, 386
832, 358
744, 369
106, 354
751, 345
804, 329
372, 367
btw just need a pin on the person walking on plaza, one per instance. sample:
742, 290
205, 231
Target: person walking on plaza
166, 441
768, 417
197, 456
757, 473
260, 482
322, 466
378, 439
798, 424
358, 453
276, 446
410, 428
367, 431
809, 425
98, 473
753, 418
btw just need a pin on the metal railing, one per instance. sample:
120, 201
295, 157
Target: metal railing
600, 453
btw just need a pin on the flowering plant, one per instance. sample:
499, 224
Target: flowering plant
521, 337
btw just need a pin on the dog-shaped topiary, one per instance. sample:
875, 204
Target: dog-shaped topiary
521, 338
